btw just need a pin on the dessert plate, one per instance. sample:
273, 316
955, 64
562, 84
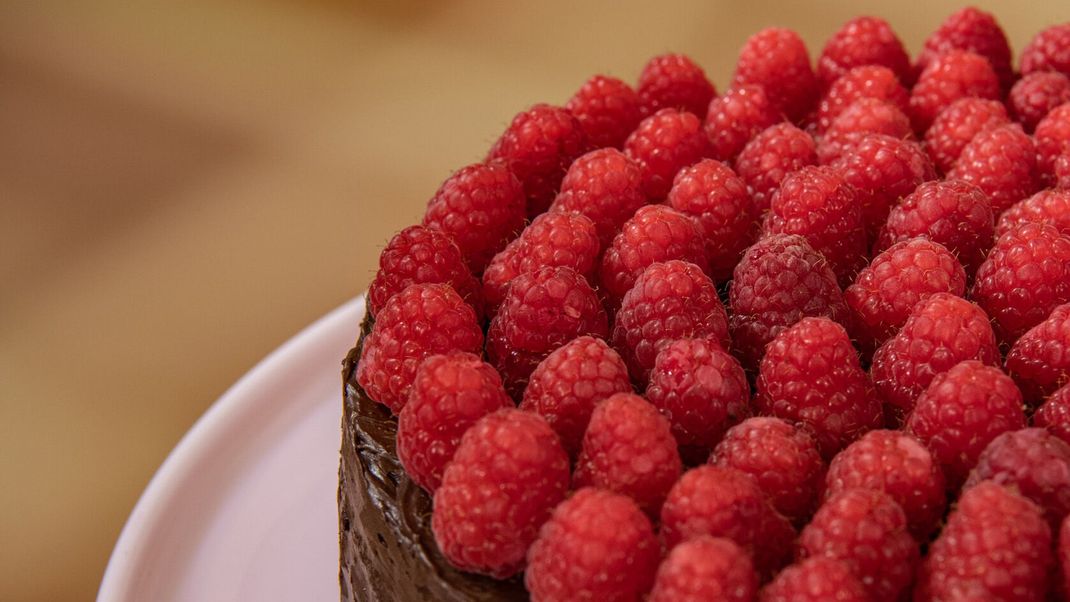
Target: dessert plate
244, 508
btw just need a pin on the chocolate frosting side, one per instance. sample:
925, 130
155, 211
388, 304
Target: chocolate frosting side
388, 552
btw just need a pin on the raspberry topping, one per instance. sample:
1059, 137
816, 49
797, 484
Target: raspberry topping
1036, 94
663, 144
777, 60
868, 81
1045, 207
865, 116
976, 31
1002, 162
604, 185
1054, 414
863, 41
674, 81
607, 109
705, 568
1052, 139
956, 125
815, 580
947, 78
770, 156
738, 115
1049, 50
1039, 361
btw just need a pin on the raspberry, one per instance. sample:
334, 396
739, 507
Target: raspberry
996, 546
1039, 361
566, 386
947, 78
655, 233
449, 394
420, 321
674, 81
1002, 162
604, 185
868, 81
1036, 94
419, 255
1064, 555
705, 568
865, 116
780, 280
712, 193
975, 31
818, 204
770, 156
701, 389
777, 60
811, 375
963, 410
482, 208
607, 109
506, 476
670, 300
867, 531
952, 213
942, 330
538, 146
1054, 414
863, 41
899, 465
1062, 170
1025, 276
1033, 462
1049, 50
815, 580
597, 546
738, 115
955, 126
543, 310
1045, 207
556, 239
663, 144
885, 292
782, 459
1052, 139
883, 170
629, 449
724, 502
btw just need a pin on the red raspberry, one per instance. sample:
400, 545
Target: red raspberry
566, 386
885, 292
1062, 170
420, 321
947, 78
1033, 462
956, 125
714, 195
706, 568
506, 476
1036, 94
604, 185
1064, 556
538, 146
952, 213
1026, 275
996, 546
1039, 361
663, 144
655, 233
963, 410
866, 530
543, 310
555, 239
1054, 414
481, 207
780, 280
629, 449
777, 60
1045, 207
899, 465
607, 109
674, 81
868, 81
1052, 139
770, 156
738, 115
670, 300
781, 458
942, 330
865, 116
863, 41
701, 389
811, 375
1049, 50
597, 546
1002, 162
723, 502
815, 580
420, 255
449, 394
975, 31
883, 170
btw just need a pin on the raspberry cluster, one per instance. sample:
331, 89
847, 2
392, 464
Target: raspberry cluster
807, 339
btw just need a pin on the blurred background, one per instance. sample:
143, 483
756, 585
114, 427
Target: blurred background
185, 185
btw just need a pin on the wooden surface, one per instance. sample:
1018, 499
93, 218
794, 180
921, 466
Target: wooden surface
184, 186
